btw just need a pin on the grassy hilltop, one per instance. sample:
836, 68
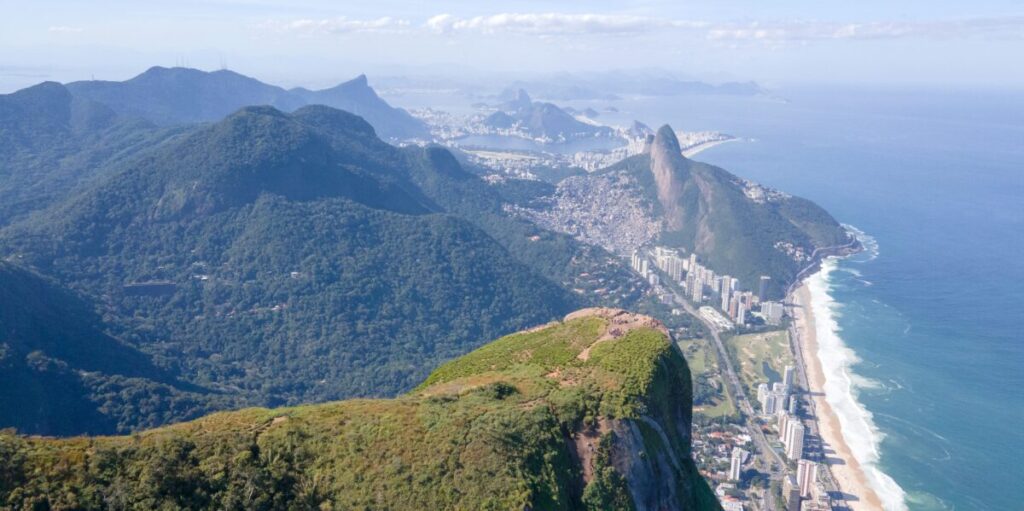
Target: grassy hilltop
589, 413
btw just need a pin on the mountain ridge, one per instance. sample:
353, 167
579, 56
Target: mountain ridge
168, 96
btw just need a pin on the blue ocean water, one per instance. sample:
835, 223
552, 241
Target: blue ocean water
936, 178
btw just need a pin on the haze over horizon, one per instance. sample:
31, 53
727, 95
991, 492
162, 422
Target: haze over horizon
317, 43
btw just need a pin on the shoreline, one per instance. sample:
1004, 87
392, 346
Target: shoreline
846, 470
693, 151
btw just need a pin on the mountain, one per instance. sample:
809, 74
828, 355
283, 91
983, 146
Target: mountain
282, 258
168, 96
542, 120
358, 97
735, 226
640, 130
589, 413
52, 142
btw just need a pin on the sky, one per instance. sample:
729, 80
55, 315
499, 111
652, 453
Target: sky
317, 43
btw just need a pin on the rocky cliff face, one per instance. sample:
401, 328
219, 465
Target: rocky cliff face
669, 169
589, 413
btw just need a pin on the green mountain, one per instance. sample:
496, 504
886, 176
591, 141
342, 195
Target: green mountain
590, 413
168, 96
52, 142
282, 258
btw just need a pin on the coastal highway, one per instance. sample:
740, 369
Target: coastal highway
777, 465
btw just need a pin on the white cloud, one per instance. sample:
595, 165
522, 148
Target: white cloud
1003, 27
61, 29
340, 25
553, 23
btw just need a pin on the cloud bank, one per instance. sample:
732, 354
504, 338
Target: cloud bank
339, 25
554, 24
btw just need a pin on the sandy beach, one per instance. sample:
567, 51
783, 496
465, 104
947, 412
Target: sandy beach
845, 469
693, 151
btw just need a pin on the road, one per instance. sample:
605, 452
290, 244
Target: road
738, 393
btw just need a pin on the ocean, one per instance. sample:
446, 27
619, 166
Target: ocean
927, 320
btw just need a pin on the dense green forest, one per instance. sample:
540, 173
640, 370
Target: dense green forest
526, 422
60, 373
279, 258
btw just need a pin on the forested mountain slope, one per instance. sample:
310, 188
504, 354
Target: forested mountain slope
264, 259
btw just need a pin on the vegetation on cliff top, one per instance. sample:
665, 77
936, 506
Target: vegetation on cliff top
491, 430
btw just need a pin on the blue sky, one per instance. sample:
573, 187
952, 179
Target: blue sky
936, 43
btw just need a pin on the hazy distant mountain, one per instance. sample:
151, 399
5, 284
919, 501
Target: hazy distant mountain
590, 413
639, 129
556, 91
181, 95
542, 120
358, 97
287, 258
613, 84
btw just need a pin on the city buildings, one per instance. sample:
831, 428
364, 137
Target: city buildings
731, 504
772, 312
791, 492
806, 476
769, 404
697, 280
736, 463
793, 439
762, 288
787, 376
668, 261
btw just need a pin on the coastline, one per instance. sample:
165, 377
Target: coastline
693, 151
847, 472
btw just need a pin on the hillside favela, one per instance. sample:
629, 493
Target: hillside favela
515, 255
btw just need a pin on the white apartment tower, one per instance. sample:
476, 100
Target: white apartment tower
806, 476
736, 464
794, 439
